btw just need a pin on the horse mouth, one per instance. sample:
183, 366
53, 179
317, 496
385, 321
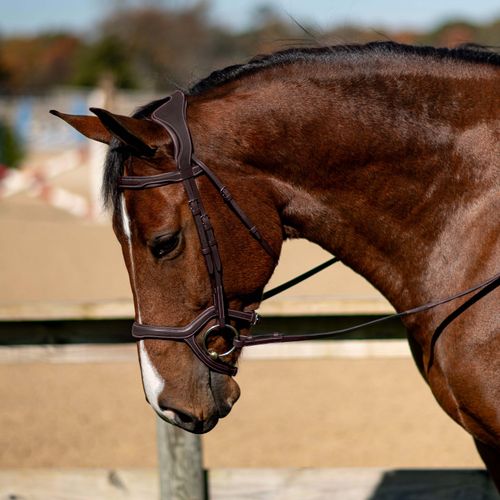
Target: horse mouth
201, 422
187, 422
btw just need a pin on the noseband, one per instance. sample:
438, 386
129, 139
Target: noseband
172, 116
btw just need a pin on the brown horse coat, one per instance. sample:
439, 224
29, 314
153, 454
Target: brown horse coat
385, 155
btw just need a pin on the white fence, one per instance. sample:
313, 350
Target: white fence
40, 131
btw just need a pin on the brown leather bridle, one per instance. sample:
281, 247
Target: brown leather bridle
172, 116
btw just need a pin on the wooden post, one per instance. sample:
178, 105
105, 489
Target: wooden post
180, 463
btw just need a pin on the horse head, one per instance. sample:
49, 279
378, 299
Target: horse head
166, 259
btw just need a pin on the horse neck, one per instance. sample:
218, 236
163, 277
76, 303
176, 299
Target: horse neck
387, 176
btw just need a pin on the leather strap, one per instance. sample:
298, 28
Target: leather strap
188, 333
152, 181
298, 279
236, 209
172, 116
271, 338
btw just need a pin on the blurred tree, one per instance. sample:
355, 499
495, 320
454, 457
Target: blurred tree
11, 151
4, 75
35, 64
273, 32
270, 31
456, 32
163, 45
355, 34
451, 34
159, 44
105, 58
489, 34
265, 14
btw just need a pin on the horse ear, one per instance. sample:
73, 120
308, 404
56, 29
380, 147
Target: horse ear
90, 126
140, 134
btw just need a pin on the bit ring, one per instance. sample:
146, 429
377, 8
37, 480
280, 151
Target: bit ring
214, 354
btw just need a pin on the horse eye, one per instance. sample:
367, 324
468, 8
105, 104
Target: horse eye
162, 246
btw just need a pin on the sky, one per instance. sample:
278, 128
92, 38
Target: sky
30, 16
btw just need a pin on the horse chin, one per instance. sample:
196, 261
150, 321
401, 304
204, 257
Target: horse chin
225, 392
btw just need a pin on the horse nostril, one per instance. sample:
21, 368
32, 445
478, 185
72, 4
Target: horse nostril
187, 421
178, 416
185, 418
169, 415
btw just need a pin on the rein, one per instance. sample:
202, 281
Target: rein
249, 340
172, 116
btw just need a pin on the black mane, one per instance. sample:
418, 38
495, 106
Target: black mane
468, 53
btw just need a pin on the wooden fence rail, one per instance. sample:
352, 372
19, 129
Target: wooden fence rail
253, 484
181, 474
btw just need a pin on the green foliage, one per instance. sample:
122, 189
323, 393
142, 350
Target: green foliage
11, 151
4, 74
163, 45
103, 59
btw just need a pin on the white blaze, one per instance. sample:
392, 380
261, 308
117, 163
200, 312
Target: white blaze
128, 234
152, 381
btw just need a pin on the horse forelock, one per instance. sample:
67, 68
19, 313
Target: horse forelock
115, 160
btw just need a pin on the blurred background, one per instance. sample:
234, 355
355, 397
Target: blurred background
69, 381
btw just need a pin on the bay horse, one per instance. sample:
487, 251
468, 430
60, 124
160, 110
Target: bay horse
386, 155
